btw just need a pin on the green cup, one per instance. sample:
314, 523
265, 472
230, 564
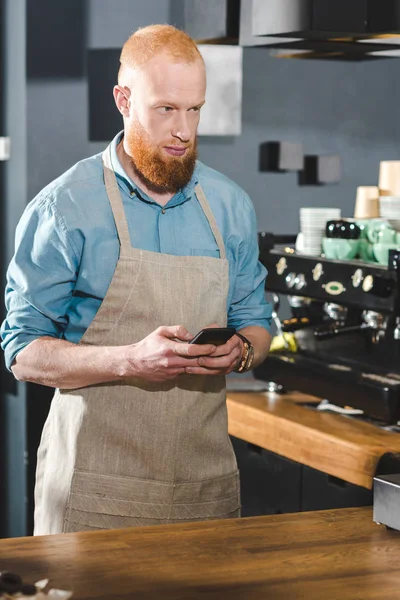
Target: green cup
363, 225
380, 232
381, 251
366, 251
340, 249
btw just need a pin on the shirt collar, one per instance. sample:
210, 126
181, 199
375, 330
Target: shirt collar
126, 183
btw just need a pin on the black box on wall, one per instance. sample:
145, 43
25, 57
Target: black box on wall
55, 38
281, 156
320, 170
104, 119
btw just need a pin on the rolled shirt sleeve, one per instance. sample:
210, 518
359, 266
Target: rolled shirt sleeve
40, 278
249, 305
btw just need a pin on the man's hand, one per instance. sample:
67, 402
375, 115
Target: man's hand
220, 362
160, 357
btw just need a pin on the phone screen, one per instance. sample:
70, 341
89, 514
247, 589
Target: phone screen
214, 335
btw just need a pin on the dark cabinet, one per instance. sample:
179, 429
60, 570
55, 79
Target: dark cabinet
358, 17
212, 22
321, 491
272, 484
39, 399
346, 17
320, 19
269, 484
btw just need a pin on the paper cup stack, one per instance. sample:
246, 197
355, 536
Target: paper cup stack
389, 178
367, 202
312, 228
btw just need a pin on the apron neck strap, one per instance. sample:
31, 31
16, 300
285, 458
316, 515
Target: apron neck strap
211, 219
115, 199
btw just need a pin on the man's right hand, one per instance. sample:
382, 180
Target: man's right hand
163, 354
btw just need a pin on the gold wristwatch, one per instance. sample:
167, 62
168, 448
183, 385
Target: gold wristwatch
247, 357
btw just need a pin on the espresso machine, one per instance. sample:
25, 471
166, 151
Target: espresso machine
345, 316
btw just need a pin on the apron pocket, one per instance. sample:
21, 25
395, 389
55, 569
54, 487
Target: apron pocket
207, 499
109, 502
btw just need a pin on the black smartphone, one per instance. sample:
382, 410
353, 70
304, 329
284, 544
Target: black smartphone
214, 335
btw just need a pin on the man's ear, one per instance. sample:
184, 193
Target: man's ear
121, 97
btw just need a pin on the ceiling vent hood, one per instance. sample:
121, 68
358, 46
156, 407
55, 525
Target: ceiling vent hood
329, 29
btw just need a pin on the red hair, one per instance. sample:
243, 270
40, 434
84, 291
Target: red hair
149, 41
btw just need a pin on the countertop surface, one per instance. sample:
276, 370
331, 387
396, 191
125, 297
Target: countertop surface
328, 555
288, 425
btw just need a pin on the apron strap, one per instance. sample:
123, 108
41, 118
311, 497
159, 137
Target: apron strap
115, 199
211, 219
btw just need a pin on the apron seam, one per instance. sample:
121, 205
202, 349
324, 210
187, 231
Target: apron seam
94, 496
73, 471
159, 481
115, 323
188, 267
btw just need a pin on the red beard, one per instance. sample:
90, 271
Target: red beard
160, 173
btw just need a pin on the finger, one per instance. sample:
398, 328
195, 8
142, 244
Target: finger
202, 371
174, 332
229, 347
179, 362
222, 362
192, 350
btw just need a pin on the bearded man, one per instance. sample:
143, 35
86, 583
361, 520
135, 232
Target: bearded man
118, 264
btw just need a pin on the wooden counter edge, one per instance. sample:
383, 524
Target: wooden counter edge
330, 454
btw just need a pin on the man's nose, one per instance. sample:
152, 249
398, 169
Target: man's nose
181, 127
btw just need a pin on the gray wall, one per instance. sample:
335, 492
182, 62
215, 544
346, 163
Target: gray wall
332, 107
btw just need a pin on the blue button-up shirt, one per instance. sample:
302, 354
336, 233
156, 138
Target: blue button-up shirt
67, 249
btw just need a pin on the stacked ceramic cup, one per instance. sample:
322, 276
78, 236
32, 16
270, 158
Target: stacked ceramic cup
312, 229
389, 192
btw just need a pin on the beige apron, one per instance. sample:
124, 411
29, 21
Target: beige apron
132, 453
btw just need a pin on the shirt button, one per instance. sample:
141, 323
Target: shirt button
132, 193
163, 211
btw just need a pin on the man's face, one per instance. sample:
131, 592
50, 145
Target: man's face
160, 132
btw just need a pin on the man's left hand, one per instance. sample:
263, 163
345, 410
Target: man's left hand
222, 361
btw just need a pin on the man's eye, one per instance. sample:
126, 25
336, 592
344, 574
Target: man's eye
165, 108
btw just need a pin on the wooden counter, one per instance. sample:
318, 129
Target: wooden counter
333, 555
337, 445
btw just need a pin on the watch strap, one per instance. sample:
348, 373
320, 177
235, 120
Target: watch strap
246, 360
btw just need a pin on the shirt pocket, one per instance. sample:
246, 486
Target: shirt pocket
212, 252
